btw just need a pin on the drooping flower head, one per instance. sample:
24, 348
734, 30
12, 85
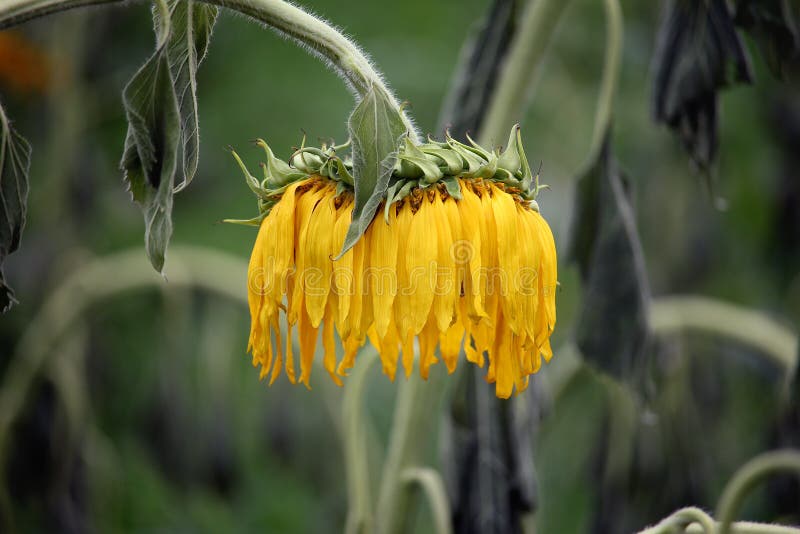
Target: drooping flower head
457, 259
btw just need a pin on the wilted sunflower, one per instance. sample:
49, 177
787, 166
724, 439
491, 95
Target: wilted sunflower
457, 256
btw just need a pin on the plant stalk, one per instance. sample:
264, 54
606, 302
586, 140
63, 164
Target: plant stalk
521, 68
416, 405
314, 34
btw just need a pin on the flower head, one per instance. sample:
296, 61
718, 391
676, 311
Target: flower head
469, 264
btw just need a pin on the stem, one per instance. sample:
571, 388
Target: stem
521, 68
431, 483
354, 417
753, 328
605, 100
416, 404
746, 478
314, 34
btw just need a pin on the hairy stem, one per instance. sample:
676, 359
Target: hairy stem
748, 476
521, 68
314, 34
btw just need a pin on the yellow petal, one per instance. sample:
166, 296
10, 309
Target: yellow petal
505, 215
421, 253
319, 249
382, 270
468, 250
445, 290
308, 343
329, 345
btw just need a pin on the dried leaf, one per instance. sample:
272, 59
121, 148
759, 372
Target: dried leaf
612, 330
15, 159
697, 54
161, 106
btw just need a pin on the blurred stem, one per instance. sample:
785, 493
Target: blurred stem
753, 328
313, 34
521, 68
192, 266
605, 100
417, 403
747, 477
354, 417
431, 483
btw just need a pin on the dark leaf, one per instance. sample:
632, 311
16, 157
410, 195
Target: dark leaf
612, 329
376, 129
481, 57
771, 24
697, 54
151, 149
489, 460
15, 159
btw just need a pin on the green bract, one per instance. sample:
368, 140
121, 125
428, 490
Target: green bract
416, 166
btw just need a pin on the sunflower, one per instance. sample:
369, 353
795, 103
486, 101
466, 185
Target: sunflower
466, 264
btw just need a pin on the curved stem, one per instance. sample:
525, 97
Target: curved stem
605, 100
354, 418
521, 68
746, 478
753, 328
314, 34
431, 483
417, 402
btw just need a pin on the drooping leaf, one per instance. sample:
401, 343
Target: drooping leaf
15, 159
478, 71
774, 29
376, 129
488, 460
698, 53
612, 329
192, 24
161, 106
151, 148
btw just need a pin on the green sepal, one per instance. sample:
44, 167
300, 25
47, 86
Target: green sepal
453, 187
255, 221
277, 172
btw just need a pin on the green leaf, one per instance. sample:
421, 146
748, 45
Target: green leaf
151, 149
15, 159
190, 34
612, 331
376, 129
161, 106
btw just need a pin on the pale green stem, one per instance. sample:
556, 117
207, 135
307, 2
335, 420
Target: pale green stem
749, 327
313, 33
191, 266
605, 100
748, 476
521, 68
431, 483
747, 527
416, 406
354, 419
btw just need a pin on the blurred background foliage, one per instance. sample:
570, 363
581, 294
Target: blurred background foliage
174, 433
